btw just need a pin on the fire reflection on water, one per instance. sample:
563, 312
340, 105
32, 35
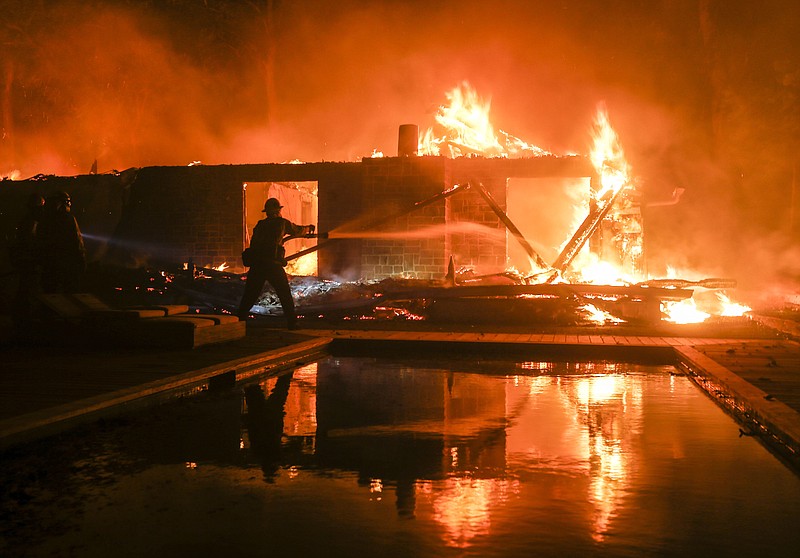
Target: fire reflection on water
609, 407
463, 507
582, 423
301, 403
385, 457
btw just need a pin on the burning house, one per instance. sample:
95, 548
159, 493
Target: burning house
466, 207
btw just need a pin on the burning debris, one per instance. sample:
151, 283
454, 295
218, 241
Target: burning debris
461, 298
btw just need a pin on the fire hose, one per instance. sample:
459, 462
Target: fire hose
311, 235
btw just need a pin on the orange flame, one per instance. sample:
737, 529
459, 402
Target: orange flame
689, 311
467, 130
683, 312
607, 156
303, 266
598, 316
464, 129
730, 308
598, 272
608, 159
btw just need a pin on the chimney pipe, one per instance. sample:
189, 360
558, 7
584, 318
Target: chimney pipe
408, 140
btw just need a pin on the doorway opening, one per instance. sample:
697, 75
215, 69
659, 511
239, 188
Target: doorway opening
299, 201
546, 211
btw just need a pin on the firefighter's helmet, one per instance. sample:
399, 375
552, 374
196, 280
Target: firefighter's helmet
272, 205
60, 199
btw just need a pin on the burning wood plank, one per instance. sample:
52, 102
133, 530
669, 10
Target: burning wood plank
711, 283
586, 229
558, 290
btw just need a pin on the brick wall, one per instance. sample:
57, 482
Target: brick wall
340, 197
399, 242
476, 237
177, 214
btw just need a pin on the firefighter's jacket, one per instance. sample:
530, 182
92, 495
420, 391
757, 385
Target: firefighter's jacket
61, 241
268, 237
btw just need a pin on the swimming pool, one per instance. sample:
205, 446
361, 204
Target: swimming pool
365, 456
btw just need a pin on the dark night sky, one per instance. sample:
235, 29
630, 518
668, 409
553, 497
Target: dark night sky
704, 94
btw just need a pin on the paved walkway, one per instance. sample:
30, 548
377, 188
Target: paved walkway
752, 370
45, 389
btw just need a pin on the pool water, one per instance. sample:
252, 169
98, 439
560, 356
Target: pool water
360, 456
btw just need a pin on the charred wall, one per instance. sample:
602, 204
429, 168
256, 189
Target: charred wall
177, 214
399, 244
97, 203
173, 215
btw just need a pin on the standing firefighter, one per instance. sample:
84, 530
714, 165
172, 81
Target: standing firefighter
266, 257
62, 249
25, 257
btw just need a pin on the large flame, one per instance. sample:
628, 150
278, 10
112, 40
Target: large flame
598, 272
698, 309
683, 312
613, 171
465, 129
730, 308
607, 156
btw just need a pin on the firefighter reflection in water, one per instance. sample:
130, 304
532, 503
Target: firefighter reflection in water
266, 257
264, 422
63, 254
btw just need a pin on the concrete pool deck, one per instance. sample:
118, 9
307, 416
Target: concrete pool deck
751, 366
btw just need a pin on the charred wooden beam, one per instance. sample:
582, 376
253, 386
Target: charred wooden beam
711, 283
587, 228
309, 250
553, 290
511, 226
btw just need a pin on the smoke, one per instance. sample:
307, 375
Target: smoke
133, 85
122, 85
703, 94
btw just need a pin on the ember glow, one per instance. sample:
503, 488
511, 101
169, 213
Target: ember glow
303, 266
